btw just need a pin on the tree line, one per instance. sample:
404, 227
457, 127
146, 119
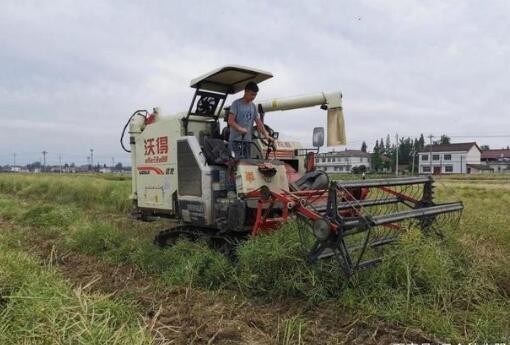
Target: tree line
384, 153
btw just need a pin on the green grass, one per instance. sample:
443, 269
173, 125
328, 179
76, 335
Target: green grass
274, 265
194, 264
290, 331
455, 289
87, 191
38, 307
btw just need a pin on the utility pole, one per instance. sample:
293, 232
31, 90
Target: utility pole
412, 157
60, 162
113, 163
92, 157
430, 153
44, 159
14, 159
396, 160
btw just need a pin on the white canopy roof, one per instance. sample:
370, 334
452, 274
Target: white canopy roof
229, 79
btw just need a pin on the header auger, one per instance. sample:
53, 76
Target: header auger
183, 169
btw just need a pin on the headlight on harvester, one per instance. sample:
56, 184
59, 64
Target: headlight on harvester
321, 229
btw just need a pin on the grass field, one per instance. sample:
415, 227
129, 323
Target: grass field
74, 268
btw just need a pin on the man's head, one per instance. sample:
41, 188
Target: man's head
250, 91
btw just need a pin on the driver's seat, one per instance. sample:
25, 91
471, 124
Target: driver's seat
216, 151
225, 133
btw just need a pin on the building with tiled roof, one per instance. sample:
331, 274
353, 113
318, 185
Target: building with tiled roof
497, 160
343, 161
456, 158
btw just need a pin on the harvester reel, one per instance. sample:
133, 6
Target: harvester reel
368, 216
333, 246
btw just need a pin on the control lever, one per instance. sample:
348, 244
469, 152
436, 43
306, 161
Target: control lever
270, 147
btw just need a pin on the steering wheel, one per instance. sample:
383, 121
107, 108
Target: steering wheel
256, 135
250, 143
270, 146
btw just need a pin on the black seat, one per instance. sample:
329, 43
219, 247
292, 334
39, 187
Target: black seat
225, 133
216, 151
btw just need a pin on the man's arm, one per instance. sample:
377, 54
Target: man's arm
262, 129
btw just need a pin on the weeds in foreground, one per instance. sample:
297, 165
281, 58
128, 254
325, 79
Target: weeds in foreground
38, 306
453, 289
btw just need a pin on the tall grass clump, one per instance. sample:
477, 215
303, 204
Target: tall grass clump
274, 264
10, 209
38, 307
45, 216
291, 331
195, 264
83, 191
428, 284
184, 263
100, 239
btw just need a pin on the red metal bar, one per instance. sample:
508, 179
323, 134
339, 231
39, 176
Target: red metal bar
262, 222
393, 226
400, 195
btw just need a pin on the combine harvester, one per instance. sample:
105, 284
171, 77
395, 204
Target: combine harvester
183, 169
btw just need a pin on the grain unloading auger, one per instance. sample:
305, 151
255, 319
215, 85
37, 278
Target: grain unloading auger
182, 168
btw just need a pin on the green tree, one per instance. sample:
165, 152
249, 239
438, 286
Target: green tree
420, 143
364, 147
443, 140
405, 147
34, 165
376, 157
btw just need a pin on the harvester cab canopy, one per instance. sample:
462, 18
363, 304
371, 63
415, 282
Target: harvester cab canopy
213, 88
229, 79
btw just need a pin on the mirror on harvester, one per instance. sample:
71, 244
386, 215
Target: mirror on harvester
318, 136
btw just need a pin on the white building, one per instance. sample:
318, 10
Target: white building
458, 158
342, 161
497, 160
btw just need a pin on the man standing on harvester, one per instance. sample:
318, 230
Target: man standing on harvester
241, 115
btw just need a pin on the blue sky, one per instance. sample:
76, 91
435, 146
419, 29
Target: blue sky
73, 71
